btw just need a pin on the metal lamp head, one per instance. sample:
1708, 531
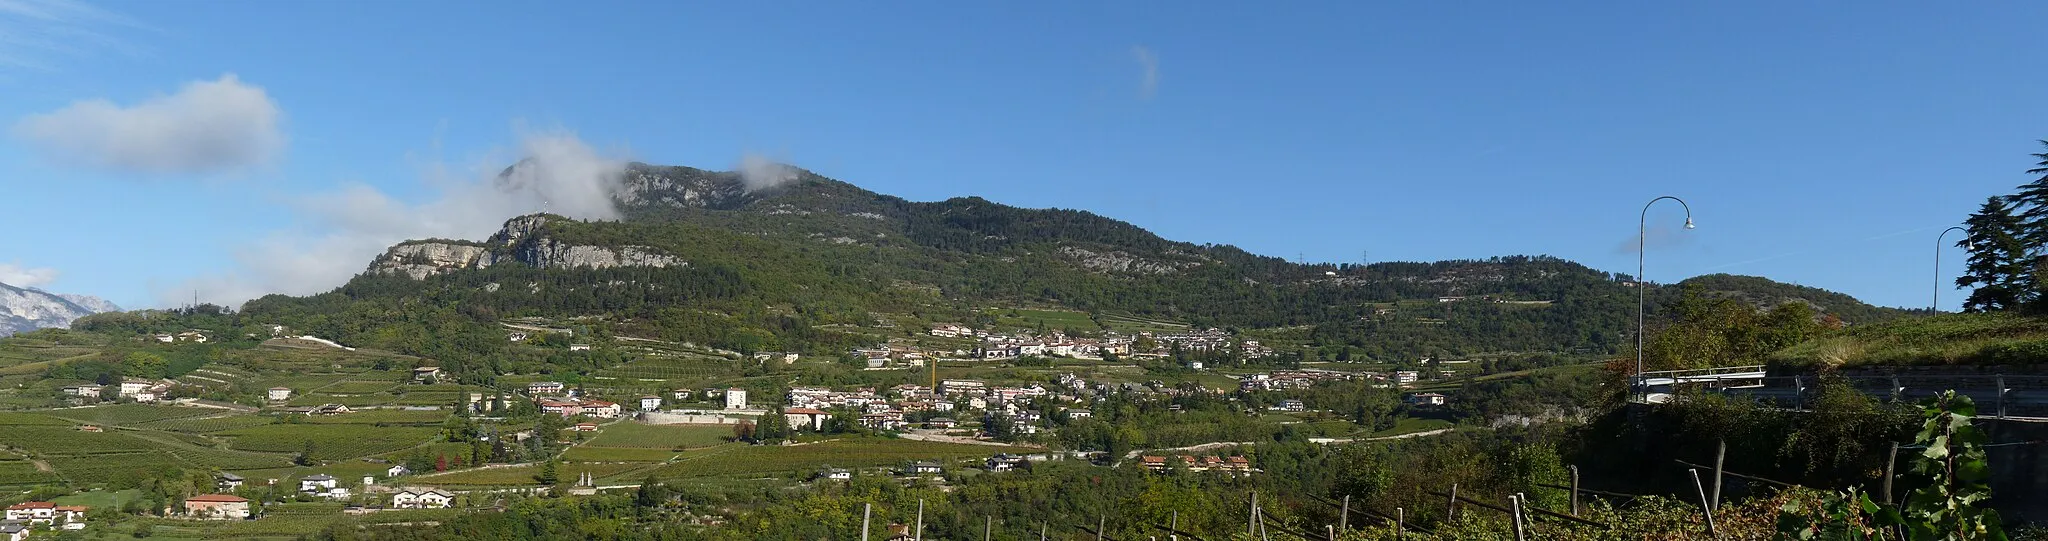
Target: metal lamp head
1688, 222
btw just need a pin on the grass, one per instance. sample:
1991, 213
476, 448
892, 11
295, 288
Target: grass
23, 472
638, 435
738, 459
64, 440
1949, 339
329, 441
100, 499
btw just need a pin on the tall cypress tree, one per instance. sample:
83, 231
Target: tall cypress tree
1999, 266
2032, 203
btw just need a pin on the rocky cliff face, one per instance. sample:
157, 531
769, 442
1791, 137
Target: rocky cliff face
28, 309
523, 240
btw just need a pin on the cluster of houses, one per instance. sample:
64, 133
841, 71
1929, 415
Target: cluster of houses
22, 517
138, 390
1233, 465
1000, 346
1303, 379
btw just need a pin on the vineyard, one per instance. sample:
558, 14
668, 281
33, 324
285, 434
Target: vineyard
206, 425
17, 471
522, 475
638, 435
845, 453
328, 442
128, 414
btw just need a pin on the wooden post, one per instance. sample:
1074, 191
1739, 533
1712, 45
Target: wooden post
1176, 520
988, 528
1101, 522
1400, 517
1516, 503
1251, 525
1705, 507
1041, 530
919, 536
1890, 461
1329, 532
1575, 489
1451, 511
1344, 516
866, 510
1720, 454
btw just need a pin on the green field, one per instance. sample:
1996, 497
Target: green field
383, 416
586, 453
736, 459
638, 435
329, 441
9, 418
1948, 339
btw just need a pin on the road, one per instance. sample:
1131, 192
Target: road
1224, 444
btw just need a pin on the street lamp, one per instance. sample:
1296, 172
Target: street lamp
1936, 308
1643, 287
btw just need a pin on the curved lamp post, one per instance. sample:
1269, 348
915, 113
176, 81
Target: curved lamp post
1643, 286
1936, 307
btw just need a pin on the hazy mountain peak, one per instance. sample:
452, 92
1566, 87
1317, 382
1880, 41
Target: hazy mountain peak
27, 309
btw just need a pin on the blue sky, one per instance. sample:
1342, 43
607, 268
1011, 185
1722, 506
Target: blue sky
1816, 145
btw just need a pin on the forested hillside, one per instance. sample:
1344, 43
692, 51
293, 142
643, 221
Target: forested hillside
771, 269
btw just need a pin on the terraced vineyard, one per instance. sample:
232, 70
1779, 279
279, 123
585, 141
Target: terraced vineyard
522, 475
669, 368
18, 471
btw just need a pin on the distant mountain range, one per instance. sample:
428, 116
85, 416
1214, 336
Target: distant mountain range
804, 262
28, 309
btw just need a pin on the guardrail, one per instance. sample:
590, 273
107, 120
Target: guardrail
1996, 395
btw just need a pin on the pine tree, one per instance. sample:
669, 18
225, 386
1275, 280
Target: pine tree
1999, 266
2032, 201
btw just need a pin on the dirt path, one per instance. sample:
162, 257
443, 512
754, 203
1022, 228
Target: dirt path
42, 466
1223, 444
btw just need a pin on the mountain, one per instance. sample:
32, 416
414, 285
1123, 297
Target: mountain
790, 260
28, 309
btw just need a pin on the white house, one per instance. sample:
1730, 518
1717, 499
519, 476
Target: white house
14, 531
217, 506
544, 387
318, 482
1405, 377
1426, 399
228, 482
579, 347
279, 394
1293, 405
88, 391
422, 498
735, 399
836, 474
397, 470
810, 418
600, 408
650, 403
131, 387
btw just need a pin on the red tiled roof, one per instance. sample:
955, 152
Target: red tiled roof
217, 498
24, 506
803, 411
72, 508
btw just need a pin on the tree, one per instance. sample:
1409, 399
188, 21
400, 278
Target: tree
1998, 265
2032, 201
305, 456
744, 431
549, 473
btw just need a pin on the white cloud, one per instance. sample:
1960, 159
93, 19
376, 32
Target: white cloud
1149, 63
207, 127
34, 34
345, 229
14, 274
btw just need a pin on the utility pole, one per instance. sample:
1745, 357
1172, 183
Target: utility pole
866, 510
919, 536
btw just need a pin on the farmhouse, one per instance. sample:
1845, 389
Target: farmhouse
228, 482
1004, 462
397, 470
422, 498
318, 482
650, 403
217, 506
924, 468
1426, 399
544, 387
87, 391
329, 409
426, 373
33, 512
279, 394
600, 408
